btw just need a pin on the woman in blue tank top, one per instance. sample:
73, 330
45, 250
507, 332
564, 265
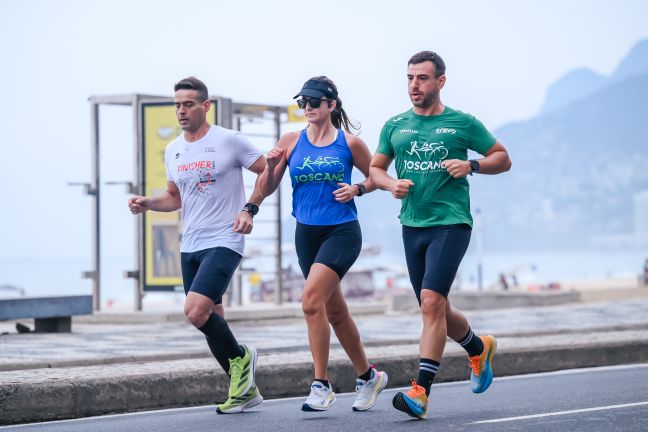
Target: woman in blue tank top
328, 239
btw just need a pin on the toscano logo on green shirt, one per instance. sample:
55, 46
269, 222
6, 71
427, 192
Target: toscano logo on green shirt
419, 145
429, 156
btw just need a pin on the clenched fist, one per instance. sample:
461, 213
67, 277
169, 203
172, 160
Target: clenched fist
400, 188
274, 156
457, 168
137, 204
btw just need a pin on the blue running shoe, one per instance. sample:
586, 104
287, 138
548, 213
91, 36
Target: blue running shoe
481, 376
413, 403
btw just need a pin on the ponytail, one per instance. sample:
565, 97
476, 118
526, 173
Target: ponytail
339, 117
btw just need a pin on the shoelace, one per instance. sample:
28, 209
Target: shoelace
236, 370
361, 386
475, 364
364, 384
416, 390
320, 392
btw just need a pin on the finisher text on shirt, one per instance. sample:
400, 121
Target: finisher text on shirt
203, 164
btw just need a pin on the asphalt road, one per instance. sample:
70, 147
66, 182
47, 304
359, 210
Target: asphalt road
599, 399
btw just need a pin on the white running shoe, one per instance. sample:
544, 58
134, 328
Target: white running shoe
367, 391
321, 398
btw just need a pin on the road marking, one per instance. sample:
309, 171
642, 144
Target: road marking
539, 375
559, 413
272, 401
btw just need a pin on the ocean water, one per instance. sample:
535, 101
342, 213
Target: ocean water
548, 267
62, 276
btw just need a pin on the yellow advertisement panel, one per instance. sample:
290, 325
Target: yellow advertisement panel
295, 114
162, 231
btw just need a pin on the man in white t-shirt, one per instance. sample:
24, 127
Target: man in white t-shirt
205, 179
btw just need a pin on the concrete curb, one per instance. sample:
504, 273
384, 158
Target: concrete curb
232, 314
512, 299
488, 300
400, 302
48, 396
203, 354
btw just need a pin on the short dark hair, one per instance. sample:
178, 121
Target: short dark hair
437, 61
193, 83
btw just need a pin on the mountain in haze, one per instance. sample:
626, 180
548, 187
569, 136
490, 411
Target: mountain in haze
573, 86
576, 169
635, 63
580, 83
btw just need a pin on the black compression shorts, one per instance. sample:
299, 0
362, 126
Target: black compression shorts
433, 255
209, 271
335, 246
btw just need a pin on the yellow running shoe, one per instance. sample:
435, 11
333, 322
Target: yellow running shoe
241, 403
242, 372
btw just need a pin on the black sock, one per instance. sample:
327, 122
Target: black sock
366, 376
427, 371
323, 381
472, 343
220, 356
223, 341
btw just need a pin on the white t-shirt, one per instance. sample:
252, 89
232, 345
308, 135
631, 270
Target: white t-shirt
209, 175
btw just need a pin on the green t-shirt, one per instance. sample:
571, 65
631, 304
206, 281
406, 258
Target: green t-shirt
419, 144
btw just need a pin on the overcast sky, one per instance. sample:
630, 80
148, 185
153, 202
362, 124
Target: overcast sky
501, 57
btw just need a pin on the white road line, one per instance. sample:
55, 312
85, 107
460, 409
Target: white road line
272, 401
540, 375
574, 371
559, 413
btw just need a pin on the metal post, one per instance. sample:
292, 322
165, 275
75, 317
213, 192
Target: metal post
138, 189
278, 260
225, 113
226, 119
238, 291
96, 213
479, 246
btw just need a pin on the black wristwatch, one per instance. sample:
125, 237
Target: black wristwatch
361, 189
474, 166
251, 208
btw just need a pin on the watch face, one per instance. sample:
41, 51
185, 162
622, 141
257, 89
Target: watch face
362, 189
252, 208
474, 165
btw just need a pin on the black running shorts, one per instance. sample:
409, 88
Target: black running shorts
433, 255
209, 271
335, 246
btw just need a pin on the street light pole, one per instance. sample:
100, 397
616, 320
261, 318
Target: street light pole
480, 252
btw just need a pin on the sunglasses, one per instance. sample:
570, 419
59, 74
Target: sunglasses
313, 102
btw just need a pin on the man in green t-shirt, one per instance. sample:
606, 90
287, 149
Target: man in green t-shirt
430, 145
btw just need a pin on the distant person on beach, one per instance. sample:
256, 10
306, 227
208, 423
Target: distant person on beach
430, 144
503, 282
204, 172
328, 239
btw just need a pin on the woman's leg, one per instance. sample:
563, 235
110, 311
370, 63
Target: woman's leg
320, 285
346, 330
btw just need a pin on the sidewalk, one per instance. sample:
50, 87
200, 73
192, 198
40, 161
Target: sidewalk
103, 367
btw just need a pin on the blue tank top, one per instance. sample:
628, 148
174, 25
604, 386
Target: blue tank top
314, 174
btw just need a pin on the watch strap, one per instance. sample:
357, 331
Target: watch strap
474, 166
361, 189
251, 208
